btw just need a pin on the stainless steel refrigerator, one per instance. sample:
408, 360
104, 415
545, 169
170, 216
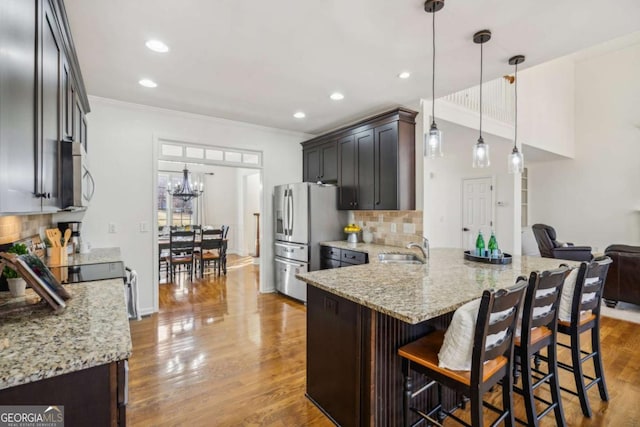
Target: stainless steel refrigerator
305, 214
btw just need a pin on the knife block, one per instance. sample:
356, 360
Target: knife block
58, 256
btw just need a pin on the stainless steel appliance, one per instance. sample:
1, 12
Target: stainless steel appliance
305, 214
77, 184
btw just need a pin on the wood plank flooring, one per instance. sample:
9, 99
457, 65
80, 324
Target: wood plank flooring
221, 354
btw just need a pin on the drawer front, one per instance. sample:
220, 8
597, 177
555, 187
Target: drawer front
331, 253
327, 263
292, 251
353, 257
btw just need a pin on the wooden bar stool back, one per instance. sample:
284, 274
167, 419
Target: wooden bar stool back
585, 316
498, 314
539, 331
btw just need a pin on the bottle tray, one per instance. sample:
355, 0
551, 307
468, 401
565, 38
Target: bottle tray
506, 258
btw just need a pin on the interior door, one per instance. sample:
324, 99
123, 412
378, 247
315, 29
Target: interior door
477, 211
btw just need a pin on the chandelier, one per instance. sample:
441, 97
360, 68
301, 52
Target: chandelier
186, 190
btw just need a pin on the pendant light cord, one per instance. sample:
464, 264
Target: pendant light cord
433, 72
515, 137
481, 57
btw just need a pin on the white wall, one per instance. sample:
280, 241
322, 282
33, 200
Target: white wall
121, 152
546, 114
443, 189
594, 199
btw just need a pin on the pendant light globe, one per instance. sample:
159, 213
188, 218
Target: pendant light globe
516, 159
433, 139
481, 158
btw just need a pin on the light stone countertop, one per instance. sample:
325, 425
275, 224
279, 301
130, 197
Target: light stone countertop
415, 293
95, 256
92, 330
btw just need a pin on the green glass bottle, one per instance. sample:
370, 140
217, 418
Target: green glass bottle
493, 246
480, 244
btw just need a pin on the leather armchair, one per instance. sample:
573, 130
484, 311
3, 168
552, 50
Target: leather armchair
623, 279
551, 248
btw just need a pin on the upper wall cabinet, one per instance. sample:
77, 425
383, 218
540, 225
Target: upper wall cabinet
375, 162
320, 162
42, 101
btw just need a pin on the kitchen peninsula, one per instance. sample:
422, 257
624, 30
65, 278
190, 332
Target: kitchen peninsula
357, 317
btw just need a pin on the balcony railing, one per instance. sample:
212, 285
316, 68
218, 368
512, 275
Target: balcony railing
497, 99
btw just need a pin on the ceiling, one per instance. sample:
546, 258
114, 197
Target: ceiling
261, 61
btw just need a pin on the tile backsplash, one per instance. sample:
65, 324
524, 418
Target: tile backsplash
393, 228
18, 227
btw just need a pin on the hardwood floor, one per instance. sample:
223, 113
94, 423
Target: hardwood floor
221, 354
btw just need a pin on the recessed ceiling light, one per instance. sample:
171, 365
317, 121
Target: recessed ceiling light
336, 96
157, 46
404, 75
148, 83
299, 115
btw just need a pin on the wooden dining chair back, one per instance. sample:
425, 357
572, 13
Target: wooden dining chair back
539, 331
491, 362
585, 316
211, 245
181, 247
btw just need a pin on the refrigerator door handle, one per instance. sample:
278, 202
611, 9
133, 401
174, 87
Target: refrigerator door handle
291, 213
285, 207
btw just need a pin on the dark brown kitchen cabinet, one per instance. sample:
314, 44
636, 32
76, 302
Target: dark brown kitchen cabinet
18, 106
336, 381
331, 257
42, 101
91, 397
50, 96
375, 162
320, 163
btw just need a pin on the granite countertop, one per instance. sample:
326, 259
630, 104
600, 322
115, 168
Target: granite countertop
95, 256
415, 293
372, 249
92, 330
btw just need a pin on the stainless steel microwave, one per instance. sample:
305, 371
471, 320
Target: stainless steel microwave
76, 182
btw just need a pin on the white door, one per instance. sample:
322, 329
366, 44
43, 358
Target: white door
476, 210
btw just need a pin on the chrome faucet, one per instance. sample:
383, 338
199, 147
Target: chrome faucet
424, 247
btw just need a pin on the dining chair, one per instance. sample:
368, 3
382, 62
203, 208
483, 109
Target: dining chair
181, 245
211, 245
491, 361
538, 332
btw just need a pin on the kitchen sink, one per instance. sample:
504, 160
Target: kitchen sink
400, 259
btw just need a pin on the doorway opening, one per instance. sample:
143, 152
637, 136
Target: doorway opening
230, 200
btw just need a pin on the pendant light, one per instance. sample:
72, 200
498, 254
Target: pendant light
481, 149
516, 159
433, 139
186, 190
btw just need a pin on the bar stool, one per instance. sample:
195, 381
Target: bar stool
585, 316
539, 331
490, 363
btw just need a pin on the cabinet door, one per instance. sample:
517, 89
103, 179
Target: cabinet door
348, 170
329, 162
311, 164
365, 174
328, 263
67, 98
78, 115
50, 71
18, 106
386, 167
